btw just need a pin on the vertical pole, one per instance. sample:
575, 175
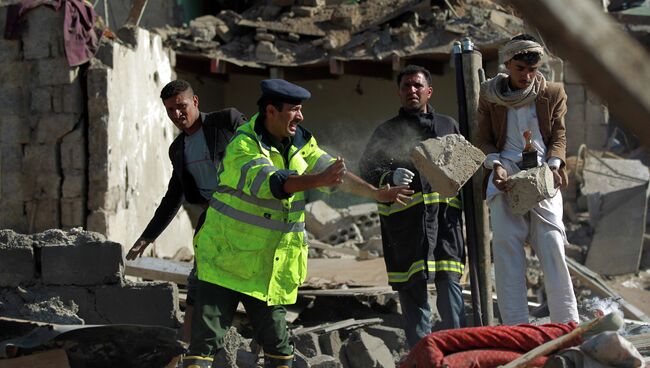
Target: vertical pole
473, 75
466, 192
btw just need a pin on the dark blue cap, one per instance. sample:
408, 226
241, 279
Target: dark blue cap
283, 91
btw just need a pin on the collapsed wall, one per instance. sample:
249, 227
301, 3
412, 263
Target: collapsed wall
77, 156
128, 136
76, 277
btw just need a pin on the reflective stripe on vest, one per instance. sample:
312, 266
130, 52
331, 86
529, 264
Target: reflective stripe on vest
247, 218
322, 163
387, 210
449, 266
430, 198
260, 177
271, 204
245, 168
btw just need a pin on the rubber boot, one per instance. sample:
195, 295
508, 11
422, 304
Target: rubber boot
197, 361
278, 361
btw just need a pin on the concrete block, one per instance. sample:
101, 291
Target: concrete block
528, 188
15, 96
150, 303
363, 350
92, 263
73, 155
506, 21
596, 136
570, 75
38, 44
74, 185
43, 214
307, 344
72, 98
576, 94
346, 16
327, 224
596, 114
17, 266
52, 127
9, 50
330, 343
40, 158
576, 128
15, 74
11, 184
73, 212
83, 297
13, 215
263, 36
44, 186
55, 71
447, 162
15, 129
41, 100
617, 195
324, 361
394, 338
366, 217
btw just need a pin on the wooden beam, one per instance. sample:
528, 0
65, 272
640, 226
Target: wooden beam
56, 358
136, 13
613, 64
159, 269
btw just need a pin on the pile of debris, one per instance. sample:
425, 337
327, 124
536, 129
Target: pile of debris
305, 32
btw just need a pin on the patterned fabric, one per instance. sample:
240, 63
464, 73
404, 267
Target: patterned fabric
433, 349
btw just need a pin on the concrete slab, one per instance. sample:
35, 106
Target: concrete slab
617, 197
447, 162
17, 266
528, 188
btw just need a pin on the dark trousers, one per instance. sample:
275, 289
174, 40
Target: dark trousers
416, 310
214, 309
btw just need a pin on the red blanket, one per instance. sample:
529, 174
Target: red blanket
483, 346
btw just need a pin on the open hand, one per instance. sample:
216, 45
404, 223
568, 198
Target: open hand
400, 194
137, 249
333, 175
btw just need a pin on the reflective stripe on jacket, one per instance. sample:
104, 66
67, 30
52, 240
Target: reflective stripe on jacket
253, 242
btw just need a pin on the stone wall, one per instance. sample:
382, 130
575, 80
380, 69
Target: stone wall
84, 146
42, 146
587, 117
129, 135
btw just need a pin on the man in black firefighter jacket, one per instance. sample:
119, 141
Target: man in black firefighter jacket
422, 241
195, 155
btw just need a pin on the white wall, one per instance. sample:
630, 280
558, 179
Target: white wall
129, 135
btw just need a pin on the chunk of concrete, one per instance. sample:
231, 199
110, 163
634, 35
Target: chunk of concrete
529, 187
617, 197
307, 344
92, 263
328, 225
324, 361
393, 337
205, 27
366, 217
17, 266
330, 343
150, 303
266, 51
365, 351
447, 162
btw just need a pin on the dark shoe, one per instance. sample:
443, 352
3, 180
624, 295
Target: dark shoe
196, 361
278, 361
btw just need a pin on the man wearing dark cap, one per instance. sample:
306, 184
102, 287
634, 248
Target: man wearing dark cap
195, 155
252, 247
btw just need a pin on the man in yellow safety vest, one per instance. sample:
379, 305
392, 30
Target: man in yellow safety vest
252, 248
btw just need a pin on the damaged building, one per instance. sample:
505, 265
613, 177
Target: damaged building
84, 163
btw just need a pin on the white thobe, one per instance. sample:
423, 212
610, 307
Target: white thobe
542, 227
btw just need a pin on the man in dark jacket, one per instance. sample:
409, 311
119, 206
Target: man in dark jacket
422, 241
195, 155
